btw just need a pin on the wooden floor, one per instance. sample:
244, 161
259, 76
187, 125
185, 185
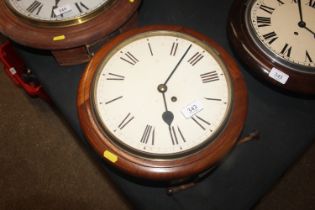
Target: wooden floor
43, 165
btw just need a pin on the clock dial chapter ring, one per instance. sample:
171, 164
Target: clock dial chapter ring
262, 51
168, 167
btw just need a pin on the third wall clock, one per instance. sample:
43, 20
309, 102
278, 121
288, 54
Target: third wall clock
276, 39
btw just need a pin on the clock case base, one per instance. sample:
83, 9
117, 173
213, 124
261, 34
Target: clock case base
77, 42
260, 64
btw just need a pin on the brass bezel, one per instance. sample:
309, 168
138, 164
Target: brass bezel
161, 157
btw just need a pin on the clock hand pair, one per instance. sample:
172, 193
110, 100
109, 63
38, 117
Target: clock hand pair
302, 23
168, 116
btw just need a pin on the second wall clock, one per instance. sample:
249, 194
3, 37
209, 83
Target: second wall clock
276, 39
69, 29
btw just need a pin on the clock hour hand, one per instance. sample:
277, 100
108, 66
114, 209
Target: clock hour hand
55, 7
56, 4
312, 32
167, 116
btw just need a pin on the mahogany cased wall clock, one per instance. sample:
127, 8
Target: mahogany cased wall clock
70, 29
162, 102
276, 39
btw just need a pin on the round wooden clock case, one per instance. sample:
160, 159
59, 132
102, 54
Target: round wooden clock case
72, 40
276, 40
162, 103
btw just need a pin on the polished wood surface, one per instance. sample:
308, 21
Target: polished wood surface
172, 169
259, 63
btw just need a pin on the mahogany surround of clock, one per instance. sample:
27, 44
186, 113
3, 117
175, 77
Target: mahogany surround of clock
148, 166
70, 43
276, 40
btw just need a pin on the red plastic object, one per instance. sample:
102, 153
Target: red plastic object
15, 68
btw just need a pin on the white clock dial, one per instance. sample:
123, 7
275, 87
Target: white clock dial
56, 10
162, 93
285, 31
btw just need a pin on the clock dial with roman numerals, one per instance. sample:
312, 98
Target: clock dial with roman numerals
134, 108
162, 102
276, 40
281, 31
57, 10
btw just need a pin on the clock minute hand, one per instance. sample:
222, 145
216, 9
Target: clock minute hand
176, 67
301, 23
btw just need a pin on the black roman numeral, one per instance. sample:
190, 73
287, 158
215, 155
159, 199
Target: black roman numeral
200, 122
174, 49
35, 6
81, 7
280, 2
263, 21
311, 3
270, 37
148, 131
286, 50
115, 77
126, 121
308, 57
150, 48
115, 99
129, 58
267, 9
213, 99
176, 135
211, 76
195, 58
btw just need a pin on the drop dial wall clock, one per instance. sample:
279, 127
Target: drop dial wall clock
276, 39
70, 29
162, 102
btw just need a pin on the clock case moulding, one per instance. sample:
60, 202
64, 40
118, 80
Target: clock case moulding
81, 40
168, 169
257, 61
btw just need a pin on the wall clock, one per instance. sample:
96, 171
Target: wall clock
276, 39
162, 102
70, 29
